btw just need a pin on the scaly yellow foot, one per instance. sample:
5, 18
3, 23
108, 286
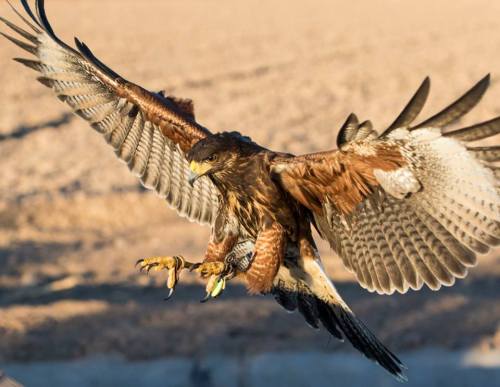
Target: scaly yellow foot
173, 265
208, 269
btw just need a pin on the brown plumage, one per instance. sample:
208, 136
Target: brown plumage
409, 207
269, 253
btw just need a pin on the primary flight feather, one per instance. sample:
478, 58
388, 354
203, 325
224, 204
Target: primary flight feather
408, 207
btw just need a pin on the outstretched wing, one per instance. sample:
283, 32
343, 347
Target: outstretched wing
409, 207
148, 131
303, 285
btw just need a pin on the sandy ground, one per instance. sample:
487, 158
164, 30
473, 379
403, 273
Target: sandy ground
73, 220
427, 367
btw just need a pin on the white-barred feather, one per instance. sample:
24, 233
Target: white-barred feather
433, 216
158, 162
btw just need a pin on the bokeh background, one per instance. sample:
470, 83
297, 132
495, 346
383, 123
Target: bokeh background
73, 220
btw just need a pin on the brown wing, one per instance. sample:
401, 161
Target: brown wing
342, 178
413, 206
148, 131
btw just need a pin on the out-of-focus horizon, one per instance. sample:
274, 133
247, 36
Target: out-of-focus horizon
73, 220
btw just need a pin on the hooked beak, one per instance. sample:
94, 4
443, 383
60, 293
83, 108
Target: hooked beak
192, 178
197, 170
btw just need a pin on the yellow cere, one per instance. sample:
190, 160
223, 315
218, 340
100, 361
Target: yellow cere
198, 168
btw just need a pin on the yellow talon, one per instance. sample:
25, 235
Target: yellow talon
172, 264
215, 272
215, 285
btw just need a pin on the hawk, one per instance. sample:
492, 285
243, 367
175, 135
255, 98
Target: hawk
408, 207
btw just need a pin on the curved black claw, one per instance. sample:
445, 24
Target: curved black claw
170, 293
149, 267
140, 261
215, 288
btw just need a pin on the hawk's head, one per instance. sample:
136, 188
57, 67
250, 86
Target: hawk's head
217, 154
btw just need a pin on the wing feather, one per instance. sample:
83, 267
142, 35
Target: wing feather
395, 277
150, 132
348, 131
486, 153
406, 261
476, 132
412, 109
458, 108
411, 207
373, 260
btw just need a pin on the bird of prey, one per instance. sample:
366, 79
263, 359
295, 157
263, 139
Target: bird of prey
409, 207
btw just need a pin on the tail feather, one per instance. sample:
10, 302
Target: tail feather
287, 300
341, 322
304, 286
307, 307
328, 319
365, 341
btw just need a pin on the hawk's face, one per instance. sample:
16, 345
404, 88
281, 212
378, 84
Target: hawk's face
214, 155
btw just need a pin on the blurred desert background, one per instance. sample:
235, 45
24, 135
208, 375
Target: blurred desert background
73, 220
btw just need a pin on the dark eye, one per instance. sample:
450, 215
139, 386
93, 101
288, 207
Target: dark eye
211, 158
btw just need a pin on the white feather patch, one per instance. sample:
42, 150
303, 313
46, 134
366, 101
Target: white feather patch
397, 183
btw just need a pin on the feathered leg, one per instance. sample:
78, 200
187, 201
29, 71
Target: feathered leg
268, 256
